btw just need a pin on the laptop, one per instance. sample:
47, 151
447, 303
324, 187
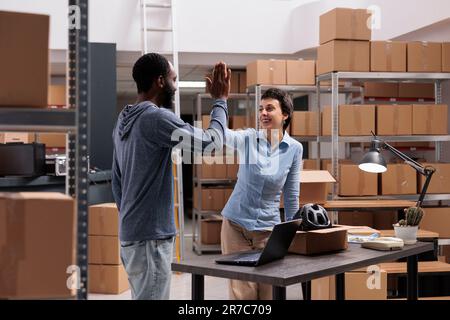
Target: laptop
276, 248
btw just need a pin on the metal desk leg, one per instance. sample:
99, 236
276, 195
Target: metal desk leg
198, 287
413, 278
306, 289
278, 293
340, 286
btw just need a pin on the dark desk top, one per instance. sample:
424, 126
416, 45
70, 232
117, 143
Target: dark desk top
297, 268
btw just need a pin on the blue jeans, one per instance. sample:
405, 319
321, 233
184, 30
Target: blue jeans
147, 264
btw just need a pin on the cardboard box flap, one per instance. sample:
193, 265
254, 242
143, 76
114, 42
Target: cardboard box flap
104, 205
316, 176
328, 230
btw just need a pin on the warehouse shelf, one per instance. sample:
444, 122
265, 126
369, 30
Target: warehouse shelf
386, 76
32, 119
411, 197
206, 248
214, 181
197, 246
302, 89
208, 212
305, 138
418, 138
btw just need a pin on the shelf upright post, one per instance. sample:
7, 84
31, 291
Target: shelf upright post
438, 100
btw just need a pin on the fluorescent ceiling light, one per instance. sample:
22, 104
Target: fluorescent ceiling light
191, 84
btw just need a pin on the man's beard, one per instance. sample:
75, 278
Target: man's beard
168, 97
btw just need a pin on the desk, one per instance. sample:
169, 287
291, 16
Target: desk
300, 269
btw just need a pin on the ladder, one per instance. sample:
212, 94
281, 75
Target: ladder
146, 7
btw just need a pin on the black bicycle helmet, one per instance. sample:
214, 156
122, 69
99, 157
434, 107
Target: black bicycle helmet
313, 217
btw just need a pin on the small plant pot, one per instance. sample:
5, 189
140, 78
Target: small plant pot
407, 233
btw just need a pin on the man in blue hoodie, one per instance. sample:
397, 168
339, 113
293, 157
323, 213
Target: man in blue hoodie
144, 136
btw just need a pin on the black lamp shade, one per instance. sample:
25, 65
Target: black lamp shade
373, 162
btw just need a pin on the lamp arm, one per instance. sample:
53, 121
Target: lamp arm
404, 157
429, 174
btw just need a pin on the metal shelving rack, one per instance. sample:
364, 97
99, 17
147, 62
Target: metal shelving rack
73, 121
198, 183
436, 78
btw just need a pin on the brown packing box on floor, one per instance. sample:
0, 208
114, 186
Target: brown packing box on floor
424, 56
394, 120
11, 137
446, 57
24, 54
344, 23
211, 231
37, 244
430, 119
57, 95
319, 241
52, 140
437, 220
388, 56
304, 123
266, 72
104, 220
343, 55
107, 279
440, 181
354, 120
355, 287
380, 90
399, 179
301, 72
313, 186
238, 122
355, 182
416, 90
310, 164
104, 250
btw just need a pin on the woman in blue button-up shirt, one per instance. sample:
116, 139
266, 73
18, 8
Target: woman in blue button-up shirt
269, 164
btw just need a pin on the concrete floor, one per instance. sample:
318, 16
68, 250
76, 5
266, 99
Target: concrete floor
215, 288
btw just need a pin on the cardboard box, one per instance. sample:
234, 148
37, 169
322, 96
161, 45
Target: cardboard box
424, 56
238, 122
394, 120
301, 72
344, 23
399, 179
213, 167
205, 121
356, 287
211, 230
232, 170
380, 90
310, 164
22, 34
343, 55
388, 56
234, 88
266, 72
325, 121
227, 193
440, 181
16, 137
242, 82
313, 186
37, 241
437, 220
384, 220
416, 90
430, 119
356, 218
104, 250
104, 220
304, 123
211, 199
107, 279
356, 120
355, 182
52, 140
319, 241
446, 57
57, 95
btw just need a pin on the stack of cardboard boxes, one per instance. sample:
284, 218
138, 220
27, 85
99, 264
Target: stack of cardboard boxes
106, 272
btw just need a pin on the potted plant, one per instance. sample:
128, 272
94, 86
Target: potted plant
406, 229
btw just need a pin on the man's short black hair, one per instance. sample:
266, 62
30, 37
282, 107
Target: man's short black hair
285, 101
148, 68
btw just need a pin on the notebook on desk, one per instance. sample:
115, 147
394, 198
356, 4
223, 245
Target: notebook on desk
276, 248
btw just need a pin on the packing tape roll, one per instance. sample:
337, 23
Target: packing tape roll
388, 55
